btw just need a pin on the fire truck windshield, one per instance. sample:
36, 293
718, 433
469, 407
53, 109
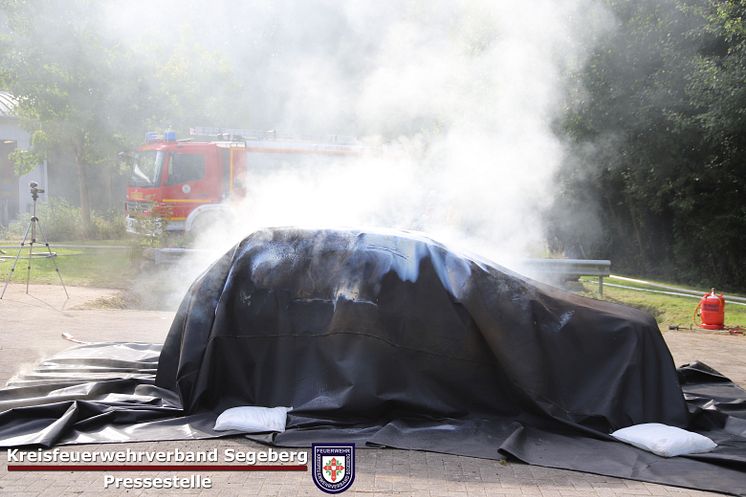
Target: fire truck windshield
146, 170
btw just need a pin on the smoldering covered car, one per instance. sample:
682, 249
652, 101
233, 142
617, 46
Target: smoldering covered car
375, 327
391, 339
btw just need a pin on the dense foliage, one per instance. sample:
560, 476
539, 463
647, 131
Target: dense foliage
84, 95
656, 177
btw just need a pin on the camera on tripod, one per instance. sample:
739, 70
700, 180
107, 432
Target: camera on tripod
31, 230
35, 190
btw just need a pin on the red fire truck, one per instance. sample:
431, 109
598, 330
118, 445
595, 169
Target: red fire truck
185, 185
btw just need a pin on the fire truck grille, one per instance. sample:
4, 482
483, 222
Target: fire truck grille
138, 207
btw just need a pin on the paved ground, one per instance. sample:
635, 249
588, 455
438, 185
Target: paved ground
31, 327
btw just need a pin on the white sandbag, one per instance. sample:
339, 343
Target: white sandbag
664, 440
253, 419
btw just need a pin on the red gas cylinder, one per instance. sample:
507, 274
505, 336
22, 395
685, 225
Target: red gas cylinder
712, 308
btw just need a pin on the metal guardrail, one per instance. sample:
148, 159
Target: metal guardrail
572, 268
580, 267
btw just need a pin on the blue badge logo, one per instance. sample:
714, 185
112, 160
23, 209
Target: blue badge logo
333, 467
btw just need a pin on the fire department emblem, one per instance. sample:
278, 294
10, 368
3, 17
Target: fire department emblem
333, 467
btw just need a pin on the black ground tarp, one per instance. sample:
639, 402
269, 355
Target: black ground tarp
390, 339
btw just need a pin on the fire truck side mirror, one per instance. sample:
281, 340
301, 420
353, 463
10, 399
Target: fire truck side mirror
125, 158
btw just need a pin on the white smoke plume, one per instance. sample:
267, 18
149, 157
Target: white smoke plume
459, 95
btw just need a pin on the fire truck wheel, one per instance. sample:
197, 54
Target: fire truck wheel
206, 225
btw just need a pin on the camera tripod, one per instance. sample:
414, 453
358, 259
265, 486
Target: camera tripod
32, 228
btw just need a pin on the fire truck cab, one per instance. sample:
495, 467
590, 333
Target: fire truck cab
185, 184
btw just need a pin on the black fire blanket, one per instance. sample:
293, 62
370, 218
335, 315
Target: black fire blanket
390, 339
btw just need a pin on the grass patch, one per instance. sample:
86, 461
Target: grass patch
667, 309
107, 268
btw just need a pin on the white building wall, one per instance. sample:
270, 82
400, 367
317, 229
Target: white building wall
9, 130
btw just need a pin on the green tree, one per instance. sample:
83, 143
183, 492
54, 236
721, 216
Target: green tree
196, 86
80, 94
85, 95
658, 133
